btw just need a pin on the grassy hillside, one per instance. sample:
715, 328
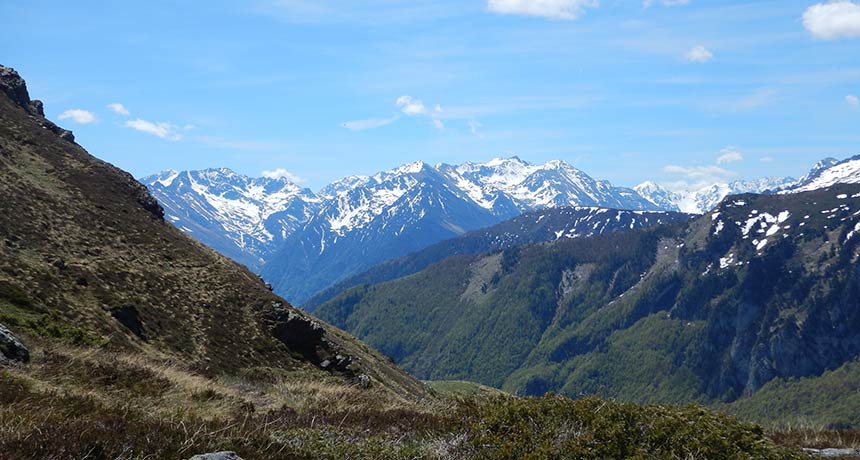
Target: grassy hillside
762, 289
74, 403
86, 259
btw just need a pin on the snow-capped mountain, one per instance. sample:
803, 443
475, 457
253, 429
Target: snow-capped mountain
244, 218
826, 173
704, 199
366, 220
303, 242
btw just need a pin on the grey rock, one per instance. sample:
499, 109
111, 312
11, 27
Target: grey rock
37, 107
833, 453
14, 86
226, 455
11, 349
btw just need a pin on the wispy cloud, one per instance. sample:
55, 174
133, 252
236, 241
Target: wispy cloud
370, 123
408, 106
118, 108
79, 116
832, 20
281, 173
852, 100
552, 9
699, 54
729, 155
648, 3
163, 130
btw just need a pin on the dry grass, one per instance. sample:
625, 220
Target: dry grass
817, 438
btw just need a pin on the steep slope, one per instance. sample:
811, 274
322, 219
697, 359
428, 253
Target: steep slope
531, 227
765, 287
243, 218
87, 258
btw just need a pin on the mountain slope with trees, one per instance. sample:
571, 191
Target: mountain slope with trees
762, 288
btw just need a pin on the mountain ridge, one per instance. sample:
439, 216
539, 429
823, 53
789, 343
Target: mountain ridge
429, 203
535, 226
711, 310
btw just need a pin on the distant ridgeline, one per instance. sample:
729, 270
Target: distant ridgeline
305, 243
533, 227
726, 308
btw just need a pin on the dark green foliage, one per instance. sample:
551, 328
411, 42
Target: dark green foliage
554, 427
531, 227
827, 401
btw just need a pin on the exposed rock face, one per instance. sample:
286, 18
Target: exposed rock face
15, 87
226, 455
308, 337
129, 317
11, 349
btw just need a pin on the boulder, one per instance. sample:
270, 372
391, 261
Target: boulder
11, 349
226, 455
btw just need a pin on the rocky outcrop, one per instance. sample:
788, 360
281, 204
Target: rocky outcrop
11, 349
226, 455
308, 338
15, 88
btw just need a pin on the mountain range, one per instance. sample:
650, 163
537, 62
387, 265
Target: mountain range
750, 297
303, 242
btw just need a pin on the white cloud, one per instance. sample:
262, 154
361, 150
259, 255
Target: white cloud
852, 100
832, 20
729, 155
116, 107
648, 3
410, 106
552, 9
766, 159
438, 124
281, 173
370, 123
158, 129
699, 54
79, 116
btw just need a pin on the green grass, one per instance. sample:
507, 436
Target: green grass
453, 388
24, 319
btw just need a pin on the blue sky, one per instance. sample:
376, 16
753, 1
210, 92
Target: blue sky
670, 90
